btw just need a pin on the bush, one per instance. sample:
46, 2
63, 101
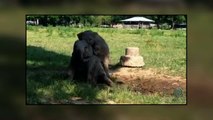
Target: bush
165, 26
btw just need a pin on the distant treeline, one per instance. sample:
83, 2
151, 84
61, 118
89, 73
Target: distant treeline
97, 21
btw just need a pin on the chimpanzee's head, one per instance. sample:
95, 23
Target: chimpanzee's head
82, 50
88, 36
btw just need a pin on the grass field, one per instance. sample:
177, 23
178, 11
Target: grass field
49, 50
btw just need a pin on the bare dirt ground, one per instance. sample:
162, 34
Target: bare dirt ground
148, 80
141, 80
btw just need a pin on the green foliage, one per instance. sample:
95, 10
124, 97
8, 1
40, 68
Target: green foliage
165, 26
162, 21
49, 50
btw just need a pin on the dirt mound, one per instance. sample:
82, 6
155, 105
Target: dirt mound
148, 80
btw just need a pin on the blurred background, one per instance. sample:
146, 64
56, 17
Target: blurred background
199, 59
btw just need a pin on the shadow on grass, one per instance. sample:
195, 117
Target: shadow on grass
12, 67
47, 79
39, 58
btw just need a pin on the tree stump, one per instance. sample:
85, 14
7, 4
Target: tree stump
132, 58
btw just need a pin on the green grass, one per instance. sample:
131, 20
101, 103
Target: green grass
49, 50
56, 91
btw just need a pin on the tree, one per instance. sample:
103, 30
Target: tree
54, 20
174, 19
88, 20
117, 19
158, 19
168, 19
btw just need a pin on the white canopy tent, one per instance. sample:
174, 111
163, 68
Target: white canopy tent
138, 19
137, 22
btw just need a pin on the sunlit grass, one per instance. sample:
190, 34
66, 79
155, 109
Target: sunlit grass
49, 50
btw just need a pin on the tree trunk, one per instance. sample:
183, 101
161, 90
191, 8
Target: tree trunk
158, 22
172, 24
158, 26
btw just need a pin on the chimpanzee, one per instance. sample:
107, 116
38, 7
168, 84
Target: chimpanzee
95, 72
100, 47
76, 68
86, 66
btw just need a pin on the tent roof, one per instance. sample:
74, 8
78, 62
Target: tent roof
138, 19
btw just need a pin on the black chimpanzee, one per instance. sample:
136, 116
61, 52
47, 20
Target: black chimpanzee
76, 68
86, 66
95, 72
100, 47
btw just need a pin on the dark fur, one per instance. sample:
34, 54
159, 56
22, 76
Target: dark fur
95, 72
100, 47
76, 69
86, 66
